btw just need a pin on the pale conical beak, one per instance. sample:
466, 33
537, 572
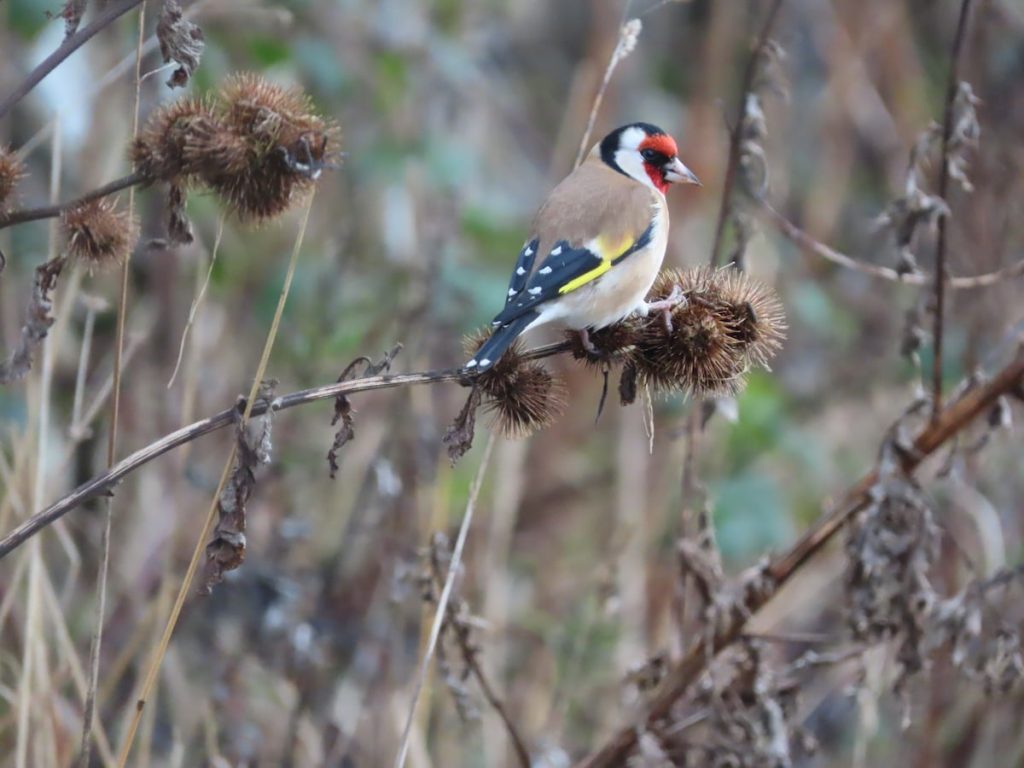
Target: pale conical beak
677, 173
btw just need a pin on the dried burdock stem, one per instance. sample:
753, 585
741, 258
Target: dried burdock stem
954, 418
51, 211
736, 133
808, 244
104, 483
71, 44
952, 86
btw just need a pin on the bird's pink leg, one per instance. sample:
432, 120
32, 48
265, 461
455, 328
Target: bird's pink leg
666, 305
588, 345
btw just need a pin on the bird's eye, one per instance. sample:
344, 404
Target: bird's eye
652, 155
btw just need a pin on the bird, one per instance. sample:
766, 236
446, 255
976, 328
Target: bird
596, 244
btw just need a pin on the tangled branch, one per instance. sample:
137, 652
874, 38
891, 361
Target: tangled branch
953, 419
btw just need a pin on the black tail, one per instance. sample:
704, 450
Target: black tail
500, 340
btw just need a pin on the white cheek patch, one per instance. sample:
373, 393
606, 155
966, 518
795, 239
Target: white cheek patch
630, 161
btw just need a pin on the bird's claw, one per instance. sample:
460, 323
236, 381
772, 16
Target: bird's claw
666, 305
588, 345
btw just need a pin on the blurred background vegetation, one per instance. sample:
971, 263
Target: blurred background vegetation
457, 117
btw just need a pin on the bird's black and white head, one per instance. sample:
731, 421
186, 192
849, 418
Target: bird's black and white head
647, 154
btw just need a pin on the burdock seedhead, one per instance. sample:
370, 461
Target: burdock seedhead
699, 355
98, 234
754, 313
270, 149
11, 171
161, 150
522, 394
725, 324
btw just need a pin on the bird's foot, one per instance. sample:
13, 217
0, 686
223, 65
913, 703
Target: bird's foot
666, 305
588, 345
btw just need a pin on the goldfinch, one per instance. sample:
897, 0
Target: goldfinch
597, 243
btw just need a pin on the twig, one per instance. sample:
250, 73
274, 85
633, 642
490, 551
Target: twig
69, 46
442, 601
952, 420
96, 643
624, 45
105, 482
736, 134
940, 254
197, 301
808, 244
51, 211
522, 753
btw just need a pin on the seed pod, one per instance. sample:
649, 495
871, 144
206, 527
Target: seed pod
97, 234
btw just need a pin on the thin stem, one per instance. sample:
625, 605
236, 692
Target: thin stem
105, 482
623, 47
52, 211
96, 645
809, 245
735, 135
196, 302
940, 255
66, 48
442, 602
193, 566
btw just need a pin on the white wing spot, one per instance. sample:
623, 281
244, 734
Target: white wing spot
535, 291
485, 362
528, 251
471, 364
520, 271
557, 251
544, 271
512, 291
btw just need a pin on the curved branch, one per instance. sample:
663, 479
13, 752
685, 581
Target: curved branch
808, 244
65, 49
103, 483
950, 422
51, 211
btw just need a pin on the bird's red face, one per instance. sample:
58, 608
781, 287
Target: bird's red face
648, 154
657, 152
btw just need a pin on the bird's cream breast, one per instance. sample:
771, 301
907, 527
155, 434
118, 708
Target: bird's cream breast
621, 290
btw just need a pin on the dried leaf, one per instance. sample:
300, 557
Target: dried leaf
181, 41
37, 322
459, 437
343, 407
179, 228
226, 551
343, 411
